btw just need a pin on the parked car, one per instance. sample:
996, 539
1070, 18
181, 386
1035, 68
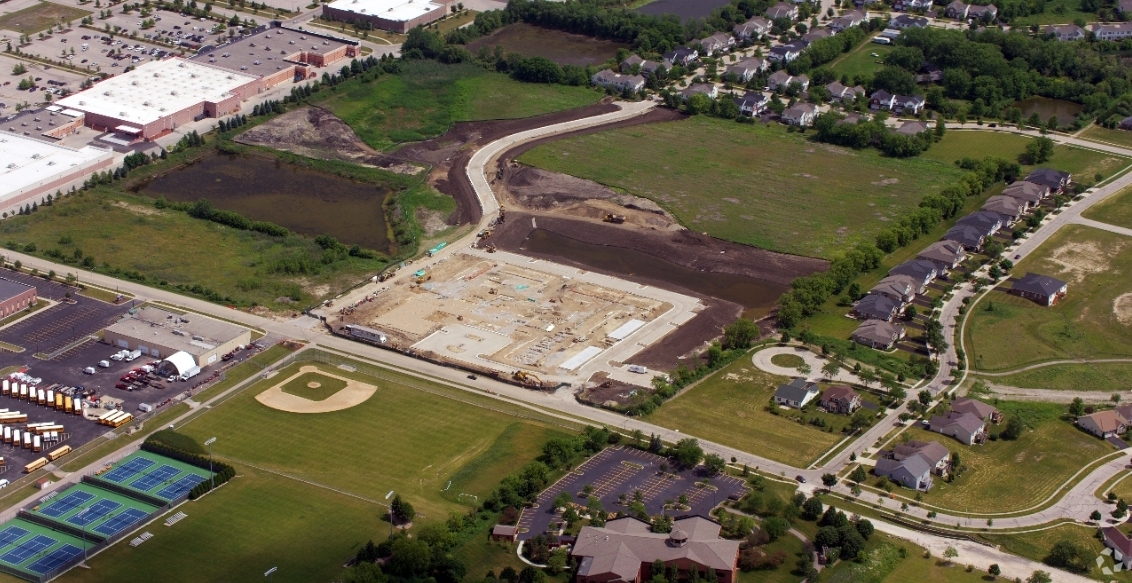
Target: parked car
104, 363
801, 479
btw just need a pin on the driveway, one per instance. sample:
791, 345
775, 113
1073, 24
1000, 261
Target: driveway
762, 360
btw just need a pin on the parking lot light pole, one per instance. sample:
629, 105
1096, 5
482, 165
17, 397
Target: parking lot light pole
211, 475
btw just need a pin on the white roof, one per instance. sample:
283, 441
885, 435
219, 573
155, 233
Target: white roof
581, 358
156, 89
26, 163
399, 10
626, 329
182, 361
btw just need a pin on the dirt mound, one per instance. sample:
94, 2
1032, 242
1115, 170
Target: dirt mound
1122, 307
317, 133
1076, 260
538, 189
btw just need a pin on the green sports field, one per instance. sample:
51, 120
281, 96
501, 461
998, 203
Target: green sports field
313, 386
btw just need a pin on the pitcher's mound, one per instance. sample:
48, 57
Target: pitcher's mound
355, 393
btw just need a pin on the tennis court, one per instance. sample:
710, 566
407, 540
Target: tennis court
93, 509
156, 475
34, 549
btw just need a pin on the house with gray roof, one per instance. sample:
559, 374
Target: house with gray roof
752, 103
984, 411
625, 549
1031, 192
1008, 208
782, 10
877, 307
900, 288
796, 393
933, 451
718, 42
1114, 31
782, 80
630, 62
913, 472
817, 34
964, 427
908, 21
1066, 32
881, 99
957, 10
708, 89
752, 29
787, 52
1056, 180
986, 222
608, 79
682, 56
908, 104
746, 69
839, 92
946, 255
878, 334
847, 20
1042, 289
801, 114
911, 128
921, 269
970, 237
981, 12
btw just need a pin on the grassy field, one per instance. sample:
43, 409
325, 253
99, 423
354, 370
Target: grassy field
1006, 476
1081, 162
753, 184
861, 61
727, 407
314, 386
794, 548
787, 360
42, 16
1036, 545
560, 47
1114, 210
1056, 12
428, 97
1093, 321
1100, 377
1103, 134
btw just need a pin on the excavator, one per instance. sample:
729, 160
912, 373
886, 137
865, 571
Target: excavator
615, 219
527, 378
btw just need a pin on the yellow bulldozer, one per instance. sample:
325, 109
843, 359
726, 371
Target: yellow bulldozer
529, 379
612, 218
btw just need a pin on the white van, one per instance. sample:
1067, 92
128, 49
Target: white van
89, 370
104, 363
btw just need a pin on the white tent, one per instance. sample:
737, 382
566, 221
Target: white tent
177, 364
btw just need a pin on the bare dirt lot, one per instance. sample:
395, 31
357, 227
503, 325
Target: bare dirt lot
561, 47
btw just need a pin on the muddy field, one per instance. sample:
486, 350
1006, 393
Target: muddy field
561, 47
684, 9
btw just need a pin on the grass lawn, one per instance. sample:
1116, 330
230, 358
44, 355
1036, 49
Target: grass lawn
42, 16
784, 573
861, 61
1093, 321
1036, 545
428, 97
930, 570
787, 360
1103, 134
1056, 12
1005, 476
755, 184
1114, 210
727, 407
481, 554
1081, 162
1100, 377
314, 386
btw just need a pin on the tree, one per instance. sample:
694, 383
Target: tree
829, 480
830, 369
950, 553
402, 511
411, 557
868, 376
1077, 407
1096, 516
994, 571
775, 527
739, 334
714, 464
1039, 577
811, 508
1014, 427
687, 452
1070, 556
804, 369
859, 475
364, 572
1038, 151
865, 528
925, 397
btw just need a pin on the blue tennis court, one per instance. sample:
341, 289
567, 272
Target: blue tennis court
96, 512
27, 550
152, 479
181, 486
67, 503
121, 522
11, 535
128, 470
54, 559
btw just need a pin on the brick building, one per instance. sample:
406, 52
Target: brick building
15, 296
398, 16
278, 54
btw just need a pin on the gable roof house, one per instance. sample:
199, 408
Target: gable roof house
1066, 32
957, 10
752, 103
782, 79
1115, 31
984, 411
979, 12
1031, 192
801, 114
878, 334
901, 288
839, 92
796, 393
1008, 208
1103, 424
1120, 544
933, 452
720, 41
945, 255
970, 237
630, 62
929, 73
840, 399
913, 472
624, 550
847, 20
908, 21
986, 222
921, 269
1056, 181
708, 89
608, 79
911, 128
682, 56
910, 104
1042, 289
746, 69
782, 10
877, 307
881, 99
912, 4
788, 52
817, 34
964, 427
752, 29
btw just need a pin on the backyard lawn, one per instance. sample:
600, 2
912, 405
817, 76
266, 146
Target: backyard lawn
755, 184
1093, 321
1114, 210
728, 407
861, 61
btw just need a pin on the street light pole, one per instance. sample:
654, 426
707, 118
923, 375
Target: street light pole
211, 475
80, 515
390, 514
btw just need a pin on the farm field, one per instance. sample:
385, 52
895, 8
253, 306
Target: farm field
1004, 476
752, 184
1081, 162
1093, 321
42, 16
861, 61
1099, 377
561, 47
428, 97
727, 407
1115, 210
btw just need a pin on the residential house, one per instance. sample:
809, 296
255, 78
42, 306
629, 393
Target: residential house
982, 13
929, 73
921, 269
1067, 32
882, 100
878, 334
912, 4
625, 550
840, 399
783, 80
708, 89
986, 222
796, 393
752, 103
938, 456
913, 472
718, 42
957, 10
1008, 209
746, 69
984, 411
1042, 289
817, 34
1125, 124
753, 29
801, 114
682, 56
946, 255
852, 118
908, 21
504, 532
964, 427
633, 61
848, 20
1056, 180
908, 104
839, 92
1031, 192
610, 80
877, 307
901, 288
969, 237
1103, 424
1114, 31
911, 128
1120, 544
782, 10
788, 52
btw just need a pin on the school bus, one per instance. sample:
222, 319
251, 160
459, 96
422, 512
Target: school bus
35, 465
62, 451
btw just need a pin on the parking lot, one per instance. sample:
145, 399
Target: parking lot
10, 94
54, 328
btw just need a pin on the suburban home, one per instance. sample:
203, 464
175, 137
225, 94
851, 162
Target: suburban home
839, 92
848, 20
881, 99
921, 269
782, 10
877, 307
911, 128
840, 399
746, 69
708, 89
1008, 209
788, 52
1115, 31
752, 29
913, 469
946, 255
979, 409
969, 237
633, 61
852, 118
801, 114
907, 21
782, 80
1031, 192
901, 288
682, 56
1066, 32
982, 13
909, 104
964, 427
717, 42
929, 73
796, 393
878, 334
625, 550
1042, 289
1125, 124
1120, 544
938, 456
610, 80
752, 103
986, 222
1056, 181
957, 10
817, 34
504, 532
912, 4
1103, 424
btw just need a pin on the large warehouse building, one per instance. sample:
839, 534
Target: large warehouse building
278, 54
15, 296
392, 15
160, 96
160, 334
31, 168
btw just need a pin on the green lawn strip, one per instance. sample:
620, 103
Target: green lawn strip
1055, 12
1103, 134
755, 184
1093, 377
861, 61
41, 16
1082, 325
1082, 162
787, 360
1114, 210
922, 569
238, 373
481, 554
314, 386
728, 408
1037, 544
39, 305
1115, 484
103, 294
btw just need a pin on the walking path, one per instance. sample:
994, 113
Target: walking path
1051, 363
1047, 395
1105, 226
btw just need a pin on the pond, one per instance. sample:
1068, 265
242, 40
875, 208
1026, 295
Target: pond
1066, 111
267, 189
